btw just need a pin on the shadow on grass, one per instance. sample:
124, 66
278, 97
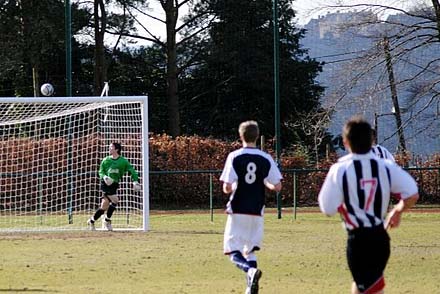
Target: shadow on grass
187, 232
28, 290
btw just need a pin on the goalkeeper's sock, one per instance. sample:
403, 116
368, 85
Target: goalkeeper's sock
98, 214
110, 210
238, 259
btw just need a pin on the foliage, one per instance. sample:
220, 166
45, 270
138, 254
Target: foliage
185, 190
10, 52
234, 81
226, 51
32, 45
141, 72
189, 165
224, 63
428, 179
185, 154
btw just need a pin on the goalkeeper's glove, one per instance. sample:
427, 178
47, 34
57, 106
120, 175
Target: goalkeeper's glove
137, 186
108, 181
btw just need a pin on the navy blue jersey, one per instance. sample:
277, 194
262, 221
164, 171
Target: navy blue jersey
247, 169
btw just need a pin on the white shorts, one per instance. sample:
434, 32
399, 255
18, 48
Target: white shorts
243, 233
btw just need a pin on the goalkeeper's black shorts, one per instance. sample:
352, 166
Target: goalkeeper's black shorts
109, 190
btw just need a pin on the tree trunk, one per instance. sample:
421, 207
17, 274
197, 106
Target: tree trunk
36, 81
436, 5
100, 23
389, 65
171, 11
27, 23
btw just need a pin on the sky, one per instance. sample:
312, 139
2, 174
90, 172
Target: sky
306, 10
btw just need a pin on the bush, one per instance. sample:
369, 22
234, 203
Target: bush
194, 160
198, 154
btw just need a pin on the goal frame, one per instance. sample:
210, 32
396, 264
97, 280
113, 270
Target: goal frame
143, 100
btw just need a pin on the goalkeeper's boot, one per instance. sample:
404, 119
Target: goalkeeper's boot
108, 224
253, 276
91, 225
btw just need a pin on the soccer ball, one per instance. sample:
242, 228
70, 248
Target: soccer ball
47, 89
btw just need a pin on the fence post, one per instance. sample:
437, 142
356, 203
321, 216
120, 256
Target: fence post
294, 195
211, 209
421, 186
438, 181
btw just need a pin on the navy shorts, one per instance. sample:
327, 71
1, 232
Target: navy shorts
368, 250
109, 190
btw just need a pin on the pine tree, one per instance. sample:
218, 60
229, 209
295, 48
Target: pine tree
235, 80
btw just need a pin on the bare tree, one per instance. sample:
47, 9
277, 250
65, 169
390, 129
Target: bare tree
394, 97
132, 20
188, 28
102, 20
99, 25
397, 36
314, 124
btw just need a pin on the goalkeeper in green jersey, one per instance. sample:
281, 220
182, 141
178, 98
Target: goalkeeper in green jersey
111, 171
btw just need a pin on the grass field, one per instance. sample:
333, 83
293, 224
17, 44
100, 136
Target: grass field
183, 254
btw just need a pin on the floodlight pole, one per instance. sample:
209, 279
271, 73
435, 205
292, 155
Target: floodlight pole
276, 57
68, 37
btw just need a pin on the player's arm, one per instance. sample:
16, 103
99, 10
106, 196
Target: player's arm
134, 176
227, 188
273, 179
388, 155
133, 173
391, 157
404, 185
276, 187
103, 173
395, 215
331, 196
228, 176
102, 169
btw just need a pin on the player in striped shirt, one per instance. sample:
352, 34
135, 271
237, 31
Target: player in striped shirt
247, 173
379, 150
359, 186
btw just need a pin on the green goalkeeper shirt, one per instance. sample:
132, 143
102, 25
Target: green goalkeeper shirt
116, 168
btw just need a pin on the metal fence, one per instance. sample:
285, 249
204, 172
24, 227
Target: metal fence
188, 189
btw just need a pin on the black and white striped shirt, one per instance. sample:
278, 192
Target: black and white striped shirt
359, 186
382, 152
248, 169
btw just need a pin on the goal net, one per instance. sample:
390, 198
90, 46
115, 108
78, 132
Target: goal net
51, 148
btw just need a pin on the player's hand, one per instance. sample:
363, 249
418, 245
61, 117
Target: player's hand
393, 219
137, 186
108, 181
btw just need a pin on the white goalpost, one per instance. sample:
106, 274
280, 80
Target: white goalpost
51, 148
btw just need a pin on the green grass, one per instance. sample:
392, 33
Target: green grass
183, 254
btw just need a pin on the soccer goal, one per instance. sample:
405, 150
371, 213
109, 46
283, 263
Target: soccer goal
51, 148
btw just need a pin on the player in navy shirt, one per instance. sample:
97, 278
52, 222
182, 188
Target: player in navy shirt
247, 173
359, 187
